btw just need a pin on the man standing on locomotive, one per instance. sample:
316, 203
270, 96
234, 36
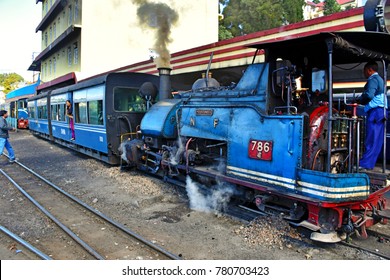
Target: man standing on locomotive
374, 101
4, 143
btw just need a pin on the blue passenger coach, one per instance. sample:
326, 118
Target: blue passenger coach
106, 110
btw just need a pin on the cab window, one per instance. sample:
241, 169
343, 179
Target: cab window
128, 100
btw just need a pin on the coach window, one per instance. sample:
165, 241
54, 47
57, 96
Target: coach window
12, 109
42, 112
81, 112
54, 112
128, 100
31, 110
61, 112
95, 112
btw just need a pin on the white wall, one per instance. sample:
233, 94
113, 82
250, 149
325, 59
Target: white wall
112, 36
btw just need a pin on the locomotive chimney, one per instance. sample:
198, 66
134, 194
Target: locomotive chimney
165, 83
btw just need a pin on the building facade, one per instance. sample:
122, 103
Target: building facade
314, 10
82, 38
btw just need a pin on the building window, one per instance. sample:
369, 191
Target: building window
70, 15
76, 10
46, 39
45, 70
75, 53
54, 65
46, 6
69, 56
55, 30
50, 67
50, 34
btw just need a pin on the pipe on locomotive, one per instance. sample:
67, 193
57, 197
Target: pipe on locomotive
165, 82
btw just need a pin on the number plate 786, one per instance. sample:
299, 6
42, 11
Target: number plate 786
260, 149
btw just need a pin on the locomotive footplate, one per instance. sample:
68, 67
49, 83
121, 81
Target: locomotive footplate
377, 178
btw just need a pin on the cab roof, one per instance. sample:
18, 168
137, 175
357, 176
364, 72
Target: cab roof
347, 46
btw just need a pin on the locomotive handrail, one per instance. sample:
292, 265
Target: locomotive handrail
254, 107
385, 117
124, 134
354, 105
290, 150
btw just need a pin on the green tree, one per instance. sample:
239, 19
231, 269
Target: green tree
224, 33
248, 16
293, 10
10, 81
331, 7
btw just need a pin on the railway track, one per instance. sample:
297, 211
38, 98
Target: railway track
24, 243
100, 236
377, 243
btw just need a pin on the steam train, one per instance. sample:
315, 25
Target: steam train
279, 135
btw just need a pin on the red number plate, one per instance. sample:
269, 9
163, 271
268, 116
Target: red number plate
259, 149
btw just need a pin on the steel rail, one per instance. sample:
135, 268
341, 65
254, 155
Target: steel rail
104, 217
25, 243
378, 234
54, 219
386, 257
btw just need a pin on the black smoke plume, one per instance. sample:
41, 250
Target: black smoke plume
161, 17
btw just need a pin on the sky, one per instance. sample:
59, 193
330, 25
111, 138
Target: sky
18, 40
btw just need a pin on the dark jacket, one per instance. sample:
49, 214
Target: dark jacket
4, 128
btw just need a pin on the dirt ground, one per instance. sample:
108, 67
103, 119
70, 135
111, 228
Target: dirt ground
156, 210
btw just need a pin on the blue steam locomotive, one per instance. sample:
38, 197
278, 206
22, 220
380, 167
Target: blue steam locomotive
278, 134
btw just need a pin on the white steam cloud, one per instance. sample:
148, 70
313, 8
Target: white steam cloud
215, 200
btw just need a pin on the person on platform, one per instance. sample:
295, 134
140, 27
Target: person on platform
4, 129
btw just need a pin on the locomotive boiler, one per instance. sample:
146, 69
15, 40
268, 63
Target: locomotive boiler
280, 135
